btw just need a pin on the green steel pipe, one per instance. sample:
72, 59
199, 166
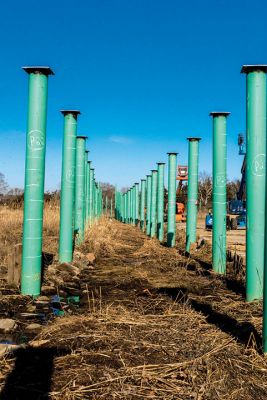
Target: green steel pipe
122, 207
125, 207
116, 205
111, 208
95, 200
67, 194
255, 180
134, 205
106, 205
142, 205
192, 196
153, 215
115, 210
137, 205
219, 192
91, 198
171, 225
148, 204
86, 189
129, 206
89, 192
160, 202
99, 200
80, 188
34, 181
119, 206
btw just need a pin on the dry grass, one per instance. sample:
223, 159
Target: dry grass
148, 328
11, 230
100, 238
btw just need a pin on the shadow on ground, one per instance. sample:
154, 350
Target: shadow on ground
244, 332
31, 376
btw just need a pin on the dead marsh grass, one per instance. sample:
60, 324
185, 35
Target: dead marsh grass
11, 221
151, 328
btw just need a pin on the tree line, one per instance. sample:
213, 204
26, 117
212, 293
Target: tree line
11, 195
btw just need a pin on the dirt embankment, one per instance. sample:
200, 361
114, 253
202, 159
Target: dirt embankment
151, 324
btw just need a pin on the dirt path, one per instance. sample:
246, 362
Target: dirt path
152, 324
236, 239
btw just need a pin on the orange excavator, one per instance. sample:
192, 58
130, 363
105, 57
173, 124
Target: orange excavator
182, 176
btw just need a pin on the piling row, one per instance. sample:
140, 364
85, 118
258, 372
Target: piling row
146, 205
256, 230
80, 198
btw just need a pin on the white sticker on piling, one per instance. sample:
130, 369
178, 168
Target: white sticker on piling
36, 140
258, 165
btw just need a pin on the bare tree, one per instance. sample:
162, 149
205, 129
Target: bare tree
15, 191
107, 189
232, 188
204, 189
3, 184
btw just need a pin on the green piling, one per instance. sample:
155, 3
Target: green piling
171, 225
192, 196
134, 205
137, 205
80, 188
219, 192
129, 207
106, 205
92, 194
142, 205
148, 203
86, 189
153, 215
89, 172
125, 207
160, 202
67, 194
34, 181
255, 180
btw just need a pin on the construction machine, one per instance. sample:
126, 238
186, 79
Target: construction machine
236, 217
182, 176
236, 209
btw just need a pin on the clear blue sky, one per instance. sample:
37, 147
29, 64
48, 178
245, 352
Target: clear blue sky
144, 73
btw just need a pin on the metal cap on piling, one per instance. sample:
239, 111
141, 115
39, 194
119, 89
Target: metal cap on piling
219, 113
81, 137
38, 70
194, 139
73, 112
251, 68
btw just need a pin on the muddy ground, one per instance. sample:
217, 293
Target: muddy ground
151, 323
